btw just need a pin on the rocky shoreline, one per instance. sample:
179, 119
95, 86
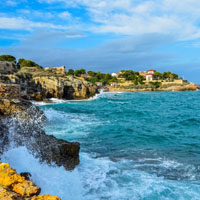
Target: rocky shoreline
21, 123
184, 87
14, 186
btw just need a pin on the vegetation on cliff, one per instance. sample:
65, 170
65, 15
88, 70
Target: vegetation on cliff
27, 63
7, 58
37, 83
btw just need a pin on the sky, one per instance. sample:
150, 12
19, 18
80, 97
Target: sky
104, 35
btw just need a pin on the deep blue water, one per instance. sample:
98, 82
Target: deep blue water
151, 139
134, 146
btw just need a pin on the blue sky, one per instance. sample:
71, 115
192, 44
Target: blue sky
104, 35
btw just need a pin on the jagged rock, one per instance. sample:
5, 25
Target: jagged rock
57, 70
39, 84
11, 91
21, 109
26, 189
7, 67
26, 175
7, 194
26, 122
46, 197
8, 176
15, 187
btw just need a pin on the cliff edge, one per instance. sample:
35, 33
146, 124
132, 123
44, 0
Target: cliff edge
38, 84
21, 125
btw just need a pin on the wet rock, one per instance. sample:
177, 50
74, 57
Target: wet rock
7, 194
26, 175
21, 124
46, 197
26, 189
8, 176
14, 186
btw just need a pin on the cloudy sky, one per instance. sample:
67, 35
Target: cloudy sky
105, 35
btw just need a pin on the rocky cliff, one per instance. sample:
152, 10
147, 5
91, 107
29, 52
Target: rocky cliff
39, 84
21, 125
8, 67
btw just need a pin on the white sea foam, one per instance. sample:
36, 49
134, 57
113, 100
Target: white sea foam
69, 124
98, 178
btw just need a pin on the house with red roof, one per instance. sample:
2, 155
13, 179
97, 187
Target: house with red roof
150, 75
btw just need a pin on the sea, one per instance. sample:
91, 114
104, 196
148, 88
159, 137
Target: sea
134, 146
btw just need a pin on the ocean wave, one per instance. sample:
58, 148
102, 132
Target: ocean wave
99, 178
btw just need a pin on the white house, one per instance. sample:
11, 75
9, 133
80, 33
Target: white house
150, 75
114, 74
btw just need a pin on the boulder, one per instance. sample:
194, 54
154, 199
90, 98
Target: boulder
8, 176
26, 121
14, 186
26, 189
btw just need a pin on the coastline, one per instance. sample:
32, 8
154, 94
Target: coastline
188, 87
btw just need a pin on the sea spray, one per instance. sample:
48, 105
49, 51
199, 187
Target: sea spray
133, 146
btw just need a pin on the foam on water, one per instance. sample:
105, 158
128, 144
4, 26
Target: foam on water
133, 146
99, 179
59, 101
62, 123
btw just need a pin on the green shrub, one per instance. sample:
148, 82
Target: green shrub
7, 58
27, 63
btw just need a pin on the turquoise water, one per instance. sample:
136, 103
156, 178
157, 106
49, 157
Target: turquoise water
134, 146
143, 145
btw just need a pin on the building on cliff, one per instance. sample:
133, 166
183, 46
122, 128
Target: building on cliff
150, 75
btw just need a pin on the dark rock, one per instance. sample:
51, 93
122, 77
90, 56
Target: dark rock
8, 67
21, 124
26, 175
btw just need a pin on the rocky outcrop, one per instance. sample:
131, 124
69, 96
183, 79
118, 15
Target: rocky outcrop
11, 91
171, 87
21, 125
56, 70
15, 187
8, 67
39, 84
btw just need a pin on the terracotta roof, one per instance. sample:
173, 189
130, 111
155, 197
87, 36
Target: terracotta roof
152, 70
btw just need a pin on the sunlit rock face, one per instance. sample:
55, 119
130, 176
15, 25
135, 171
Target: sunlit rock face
39, 84
21, 125
15, 187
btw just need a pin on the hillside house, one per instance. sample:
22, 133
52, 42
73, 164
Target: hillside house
150, 75
86, 76
99, 84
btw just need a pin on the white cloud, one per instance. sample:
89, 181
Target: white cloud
180, 18
11, 3
24, 24
65, 15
